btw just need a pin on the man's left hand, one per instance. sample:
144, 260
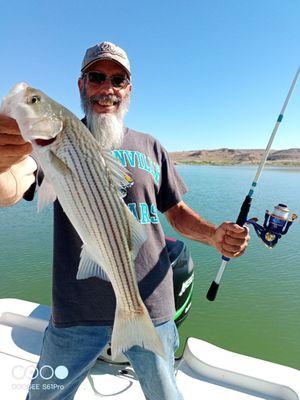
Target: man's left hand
231, 239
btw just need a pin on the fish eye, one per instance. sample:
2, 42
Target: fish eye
34, 99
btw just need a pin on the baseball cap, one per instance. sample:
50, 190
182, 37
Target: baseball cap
105, 51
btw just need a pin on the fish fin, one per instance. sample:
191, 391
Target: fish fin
63, 163
137, 235
46, 194
132, 329
119, 175
116, 173
89, 268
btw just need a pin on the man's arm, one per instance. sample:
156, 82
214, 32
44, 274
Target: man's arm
229, 239
16, 167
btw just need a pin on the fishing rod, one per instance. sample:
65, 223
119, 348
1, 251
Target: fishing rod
275, 224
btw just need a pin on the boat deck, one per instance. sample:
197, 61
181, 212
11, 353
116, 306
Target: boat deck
204, 372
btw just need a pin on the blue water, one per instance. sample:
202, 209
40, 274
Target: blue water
257, 308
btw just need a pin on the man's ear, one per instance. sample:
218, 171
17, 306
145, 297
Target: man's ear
80, 84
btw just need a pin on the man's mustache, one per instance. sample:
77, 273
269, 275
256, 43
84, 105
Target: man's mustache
105, 97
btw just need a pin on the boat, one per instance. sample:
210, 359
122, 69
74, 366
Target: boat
204, 371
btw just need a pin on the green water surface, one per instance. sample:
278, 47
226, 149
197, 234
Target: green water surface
257, 308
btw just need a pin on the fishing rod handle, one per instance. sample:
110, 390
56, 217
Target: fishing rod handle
214, 287
243, 215
241, 219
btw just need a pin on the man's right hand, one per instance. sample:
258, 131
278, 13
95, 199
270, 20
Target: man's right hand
13, 148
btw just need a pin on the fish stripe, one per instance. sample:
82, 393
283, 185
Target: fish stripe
88, 212
84, 202
107, 230
117, 215
128, 273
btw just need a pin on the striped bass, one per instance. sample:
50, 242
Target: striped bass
87, 182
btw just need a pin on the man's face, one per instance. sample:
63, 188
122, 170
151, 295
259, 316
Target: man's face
93, 91
105, 105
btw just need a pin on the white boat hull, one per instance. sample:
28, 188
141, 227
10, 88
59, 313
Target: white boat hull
204, 372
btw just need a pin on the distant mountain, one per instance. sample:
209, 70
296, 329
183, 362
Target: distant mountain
224, 156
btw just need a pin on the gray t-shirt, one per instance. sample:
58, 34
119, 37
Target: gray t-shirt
157, 186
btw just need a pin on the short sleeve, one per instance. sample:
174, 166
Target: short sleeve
171, 186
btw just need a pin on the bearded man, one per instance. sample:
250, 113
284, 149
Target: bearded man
83, 310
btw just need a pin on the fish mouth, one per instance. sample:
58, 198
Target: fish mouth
44, 142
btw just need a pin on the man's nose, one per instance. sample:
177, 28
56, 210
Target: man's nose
106, 86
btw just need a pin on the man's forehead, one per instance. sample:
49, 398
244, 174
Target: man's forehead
107, 66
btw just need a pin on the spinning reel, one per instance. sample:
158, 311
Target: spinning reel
275, 225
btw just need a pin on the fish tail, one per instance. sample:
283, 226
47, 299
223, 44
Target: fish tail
132, 329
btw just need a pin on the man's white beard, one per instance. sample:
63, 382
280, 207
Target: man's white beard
108, 129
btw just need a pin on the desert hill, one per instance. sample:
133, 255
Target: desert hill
224, 156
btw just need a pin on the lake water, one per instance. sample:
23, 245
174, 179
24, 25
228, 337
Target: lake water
257, 308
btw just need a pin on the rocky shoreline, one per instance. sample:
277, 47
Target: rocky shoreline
225, 156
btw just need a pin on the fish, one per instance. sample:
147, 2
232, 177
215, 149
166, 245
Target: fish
86, 179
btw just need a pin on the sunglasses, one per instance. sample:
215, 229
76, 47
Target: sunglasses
117, 81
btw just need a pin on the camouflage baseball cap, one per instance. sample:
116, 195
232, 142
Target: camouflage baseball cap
105, 51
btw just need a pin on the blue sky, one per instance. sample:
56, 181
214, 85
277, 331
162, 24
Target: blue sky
206, 74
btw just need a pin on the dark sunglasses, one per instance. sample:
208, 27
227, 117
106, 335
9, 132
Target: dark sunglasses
117, 81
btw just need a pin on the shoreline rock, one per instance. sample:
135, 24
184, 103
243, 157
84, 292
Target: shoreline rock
224, 156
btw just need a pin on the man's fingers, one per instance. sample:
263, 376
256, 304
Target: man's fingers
238, 254
232, 254
235, 241
24, 161
9, 125
231, 248
13, 150
237, 231
6, 139
12, 154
